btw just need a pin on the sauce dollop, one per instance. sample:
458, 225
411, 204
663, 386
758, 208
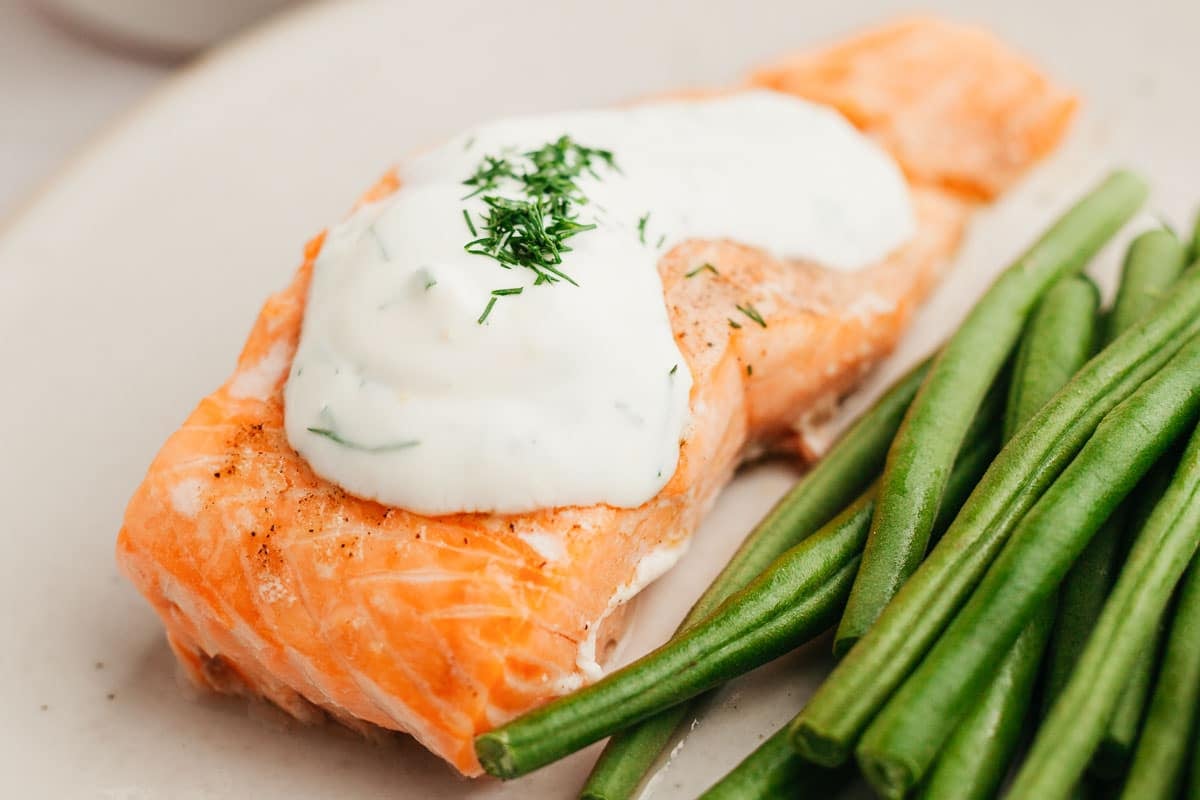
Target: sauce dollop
566, 393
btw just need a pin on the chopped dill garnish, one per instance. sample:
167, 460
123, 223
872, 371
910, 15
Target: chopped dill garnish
492, 300
488, 174
470, 225
673, 369
469, 143
642, 220
702, 268
734, 324
430, 283
491, 303
334, 436
531, 229
749, 369
752, 312
660, 241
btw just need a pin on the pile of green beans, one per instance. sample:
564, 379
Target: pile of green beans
842, 708
1060, 337
1160, 555
918, 463
1153, 262
906, 735
1055, 559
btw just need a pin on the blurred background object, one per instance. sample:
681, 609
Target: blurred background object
69, 68
164, 27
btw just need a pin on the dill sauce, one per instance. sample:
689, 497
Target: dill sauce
437, 380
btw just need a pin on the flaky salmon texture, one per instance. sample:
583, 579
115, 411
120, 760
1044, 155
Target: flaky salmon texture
273, 582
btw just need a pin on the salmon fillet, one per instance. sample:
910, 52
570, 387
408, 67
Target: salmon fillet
273, 582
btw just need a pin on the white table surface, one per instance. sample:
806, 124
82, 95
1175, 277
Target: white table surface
59, 91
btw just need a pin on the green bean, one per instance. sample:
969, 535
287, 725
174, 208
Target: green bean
835, 717
1152, 263
833, 482
1120, 737
1161, 753
1115, 748
797, 597
1060, 337
773, 772
920, 459
905, 737
972, 462
1080, 601
1160, 555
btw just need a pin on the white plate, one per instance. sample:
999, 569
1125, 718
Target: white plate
127, 288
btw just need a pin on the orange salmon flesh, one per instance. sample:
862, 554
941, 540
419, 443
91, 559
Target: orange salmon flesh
275, 583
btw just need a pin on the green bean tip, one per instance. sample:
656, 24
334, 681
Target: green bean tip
843, 645
495, 756
820, 750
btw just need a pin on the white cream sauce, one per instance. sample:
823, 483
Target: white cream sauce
564, 395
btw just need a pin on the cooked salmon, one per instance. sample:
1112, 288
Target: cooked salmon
273, 582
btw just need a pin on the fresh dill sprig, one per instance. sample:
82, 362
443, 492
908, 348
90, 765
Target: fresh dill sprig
702, 268
334, 436
642, 220
531, 229
734, 324
674, 369
470, 225
752, 312
660, 241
